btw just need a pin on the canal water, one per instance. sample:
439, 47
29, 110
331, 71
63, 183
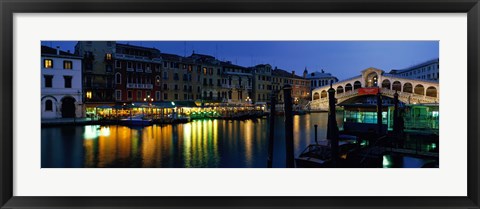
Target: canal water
208, 143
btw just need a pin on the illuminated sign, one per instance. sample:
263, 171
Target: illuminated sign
368, 91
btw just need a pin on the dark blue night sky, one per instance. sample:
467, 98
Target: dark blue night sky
343, 59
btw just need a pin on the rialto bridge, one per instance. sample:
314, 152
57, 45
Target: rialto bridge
411, 91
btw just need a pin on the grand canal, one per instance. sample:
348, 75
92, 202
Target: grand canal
198, 144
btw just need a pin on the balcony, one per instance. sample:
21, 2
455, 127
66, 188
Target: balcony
139, 86
148, 70
130, 69
139, 70
137, 58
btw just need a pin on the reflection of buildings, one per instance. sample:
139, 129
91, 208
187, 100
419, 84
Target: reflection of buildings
428, 70
61, 84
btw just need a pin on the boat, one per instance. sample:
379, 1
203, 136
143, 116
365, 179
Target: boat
136, 120
319, 155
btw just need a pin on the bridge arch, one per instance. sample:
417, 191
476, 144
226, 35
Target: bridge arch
372, 79
431, 91
339, 89
357, 85
386, 84
348, 87
316, 96
419, 89
323, 94
407, 87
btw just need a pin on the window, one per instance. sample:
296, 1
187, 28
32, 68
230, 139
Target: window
118, 78
118, 64
165, 86
176, 87
204, 71
157, 80
185, 97
88, 94
165, 75
48, 81
68, 81
129, 95
157, 95
118, 95
165, 96
176, 96
108, 56
139, 95
175, 76
48, 105
48, 63
67, 64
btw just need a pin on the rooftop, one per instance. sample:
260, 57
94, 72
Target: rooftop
429, 62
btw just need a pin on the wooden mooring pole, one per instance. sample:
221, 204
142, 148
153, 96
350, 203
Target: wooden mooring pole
287, 94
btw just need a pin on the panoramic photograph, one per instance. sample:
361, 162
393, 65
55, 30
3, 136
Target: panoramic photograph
239, 104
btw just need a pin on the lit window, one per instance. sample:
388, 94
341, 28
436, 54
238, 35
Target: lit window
108, 56
204, 71
89, 94
67, 64
48, 63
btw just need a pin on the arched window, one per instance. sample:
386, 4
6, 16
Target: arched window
157, 80
431, 91
396, 86
371, 79
118, 78
48, 105
386, 84
357, 85
323, 94
348, 87
316, 96
419, 89
339, 89
407, 87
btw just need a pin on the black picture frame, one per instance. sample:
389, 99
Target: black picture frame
10, 7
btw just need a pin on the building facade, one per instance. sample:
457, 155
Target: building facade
319, 79
236, 83
429, 70
137, 74
262, 83
300, 85
98, 71
61, 82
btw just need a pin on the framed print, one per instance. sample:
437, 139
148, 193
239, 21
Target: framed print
266, 104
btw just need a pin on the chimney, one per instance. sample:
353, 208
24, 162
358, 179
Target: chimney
58, 50
293, 72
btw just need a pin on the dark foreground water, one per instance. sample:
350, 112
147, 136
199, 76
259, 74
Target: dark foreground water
200, 143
